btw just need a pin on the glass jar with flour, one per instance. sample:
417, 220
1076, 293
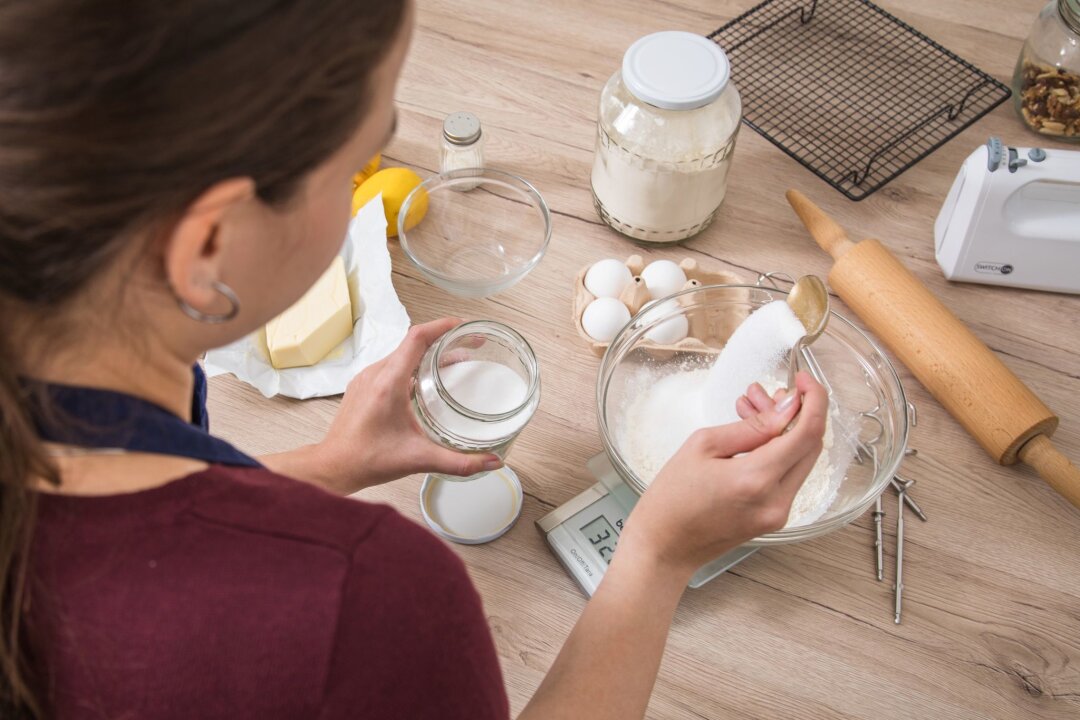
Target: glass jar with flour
476, 388
665, 135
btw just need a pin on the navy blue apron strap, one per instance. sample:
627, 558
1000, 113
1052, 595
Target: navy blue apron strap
95, 418
199, 415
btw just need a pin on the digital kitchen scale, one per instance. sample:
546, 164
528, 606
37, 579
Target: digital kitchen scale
584, 532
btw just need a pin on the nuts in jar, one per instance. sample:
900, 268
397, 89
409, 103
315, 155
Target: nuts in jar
1050, 99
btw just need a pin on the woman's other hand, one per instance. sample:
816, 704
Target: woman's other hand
375, 437
731, 483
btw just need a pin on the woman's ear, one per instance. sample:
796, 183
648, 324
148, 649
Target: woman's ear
194, 250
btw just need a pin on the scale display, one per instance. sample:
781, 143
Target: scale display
603, 536
584, 532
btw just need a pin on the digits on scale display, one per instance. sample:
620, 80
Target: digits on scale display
603, 536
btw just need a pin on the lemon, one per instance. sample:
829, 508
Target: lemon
395, 184
370, 169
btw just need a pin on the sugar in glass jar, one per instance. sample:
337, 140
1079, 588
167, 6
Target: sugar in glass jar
476, 389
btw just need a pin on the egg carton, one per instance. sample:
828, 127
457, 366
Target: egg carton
702, 334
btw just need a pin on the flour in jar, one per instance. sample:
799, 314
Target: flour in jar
664, 406
659, 201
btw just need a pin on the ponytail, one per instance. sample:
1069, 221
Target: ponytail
22, 457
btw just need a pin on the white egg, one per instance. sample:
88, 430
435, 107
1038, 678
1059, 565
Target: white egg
603, 318
663, 277
607, 278
669, 331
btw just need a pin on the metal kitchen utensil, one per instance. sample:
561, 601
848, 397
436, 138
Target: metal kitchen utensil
899, 552
809, 300
879, 545
897, 481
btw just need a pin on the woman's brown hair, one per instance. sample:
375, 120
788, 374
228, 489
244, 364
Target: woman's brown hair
114, 117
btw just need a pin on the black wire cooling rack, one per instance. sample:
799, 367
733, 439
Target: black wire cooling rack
850, 91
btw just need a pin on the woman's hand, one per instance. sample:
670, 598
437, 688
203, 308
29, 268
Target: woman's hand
704, 502
731, 483
375, 437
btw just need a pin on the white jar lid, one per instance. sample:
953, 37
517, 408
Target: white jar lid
675, 70
475, 511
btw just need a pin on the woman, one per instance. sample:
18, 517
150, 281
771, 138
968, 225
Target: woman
172, 175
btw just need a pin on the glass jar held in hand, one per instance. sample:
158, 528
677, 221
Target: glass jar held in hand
476, 389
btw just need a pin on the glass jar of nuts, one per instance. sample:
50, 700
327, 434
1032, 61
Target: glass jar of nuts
1046, 85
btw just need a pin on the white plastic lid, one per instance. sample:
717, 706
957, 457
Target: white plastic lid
475, 511
675, 70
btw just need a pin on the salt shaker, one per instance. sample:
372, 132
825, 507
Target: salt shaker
463, 142
665, 135
476, 388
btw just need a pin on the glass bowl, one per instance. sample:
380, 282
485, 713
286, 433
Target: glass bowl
861, 382
483, 232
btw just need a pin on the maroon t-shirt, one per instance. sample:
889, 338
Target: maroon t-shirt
238, 593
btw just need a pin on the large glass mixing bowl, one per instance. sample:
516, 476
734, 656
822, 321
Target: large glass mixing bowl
860, 379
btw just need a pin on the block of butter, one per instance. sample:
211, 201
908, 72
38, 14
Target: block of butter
305, 333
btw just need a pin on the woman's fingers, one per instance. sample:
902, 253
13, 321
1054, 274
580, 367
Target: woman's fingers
404, 360
780, 455
759, 398
813, 419
744, 408
442, 460
752, 432
756, 400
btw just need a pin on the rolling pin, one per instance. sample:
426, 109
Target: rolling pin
965, 376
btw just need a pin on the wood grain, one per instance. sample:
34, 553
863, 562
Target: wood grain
992, 604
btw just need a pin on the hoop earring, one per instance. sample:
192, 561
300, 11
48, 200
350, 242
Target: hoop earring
200, 316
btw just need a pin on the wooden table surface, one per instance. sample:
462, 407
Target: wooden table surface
992, 604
